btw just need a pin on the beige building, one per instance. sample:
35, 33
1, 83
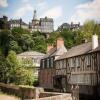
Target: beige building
18, 23
43, 25
31, 60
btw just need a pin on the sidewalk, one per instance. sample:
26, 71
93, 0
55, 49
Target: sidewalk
7, 97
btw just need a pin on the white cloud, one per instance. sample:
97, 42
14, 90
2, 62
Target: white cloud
25, 1
89, 10
42, 5
3, 3
55, 12
23, 10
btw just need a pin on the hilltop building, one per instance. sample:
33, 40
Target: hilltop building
43, 25
4, 23
72, 26
17, 23
34, 25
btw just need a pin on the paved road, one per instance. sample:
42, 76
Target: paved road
7, 97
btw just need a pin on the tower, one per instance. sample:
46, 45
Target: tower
34, 16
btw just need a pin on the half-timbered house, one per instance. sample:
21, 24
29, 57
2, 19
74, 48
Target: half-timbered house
47, 70
80, 65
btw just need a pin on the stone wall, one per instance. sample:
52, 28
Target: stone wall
33, 93
54, 96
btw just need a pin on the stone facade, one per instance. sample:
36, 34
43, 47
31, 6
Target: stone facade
43, 25
17, 23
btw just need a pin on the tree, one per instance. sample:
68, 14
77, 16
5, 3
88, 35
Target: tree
88, 29
12, 64
85, 33
3, 69
17, 74
13, 45
68, 36
39, 44
53, 37
5, 38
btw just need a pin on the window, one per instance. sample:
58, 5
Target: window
51, 62
77, 62
48, 63
71, 62
43, 63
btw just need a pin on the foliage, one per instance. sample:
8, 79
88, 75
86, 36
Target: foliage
53, 37
85, 33
68, 36
36, 83
19, 40
3, 69
12, 72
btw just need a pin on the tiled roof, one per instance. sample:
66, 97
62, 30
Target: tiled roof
79, 50
31, 53
56, 52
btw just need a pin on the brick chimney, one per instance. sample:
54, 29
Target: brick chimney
49, 47
95, 41
59, 42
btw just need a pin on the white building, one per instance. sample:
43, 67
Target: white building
43, 25
46, 25
31, 60
17, 23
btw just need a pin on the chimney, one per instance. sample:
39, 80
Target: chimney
95, 41
49, 47
59, 42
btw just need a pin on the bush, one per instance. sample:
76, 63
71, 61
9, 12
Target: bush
36, 83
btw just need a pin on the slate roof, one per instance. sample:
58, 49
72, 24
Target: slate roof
17, 21
31, 53
46, 19
79, 50
56, 52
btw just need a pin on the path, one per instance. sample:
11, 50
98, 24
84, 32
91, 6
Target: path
7, 97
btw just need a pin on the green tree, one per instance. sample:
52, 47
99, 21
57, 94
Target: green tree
68, 36
40, 44
53, 37
3, 69
88, 29
5, 38
17, 74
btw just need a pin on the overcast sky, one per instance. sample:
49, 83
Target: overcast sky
60, 10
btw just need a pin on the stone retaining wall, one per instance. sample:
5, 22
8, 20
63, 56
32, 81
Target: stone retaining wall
33, 93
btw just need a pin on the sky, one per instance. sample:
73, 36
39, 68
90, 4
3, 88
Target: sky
62, 11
